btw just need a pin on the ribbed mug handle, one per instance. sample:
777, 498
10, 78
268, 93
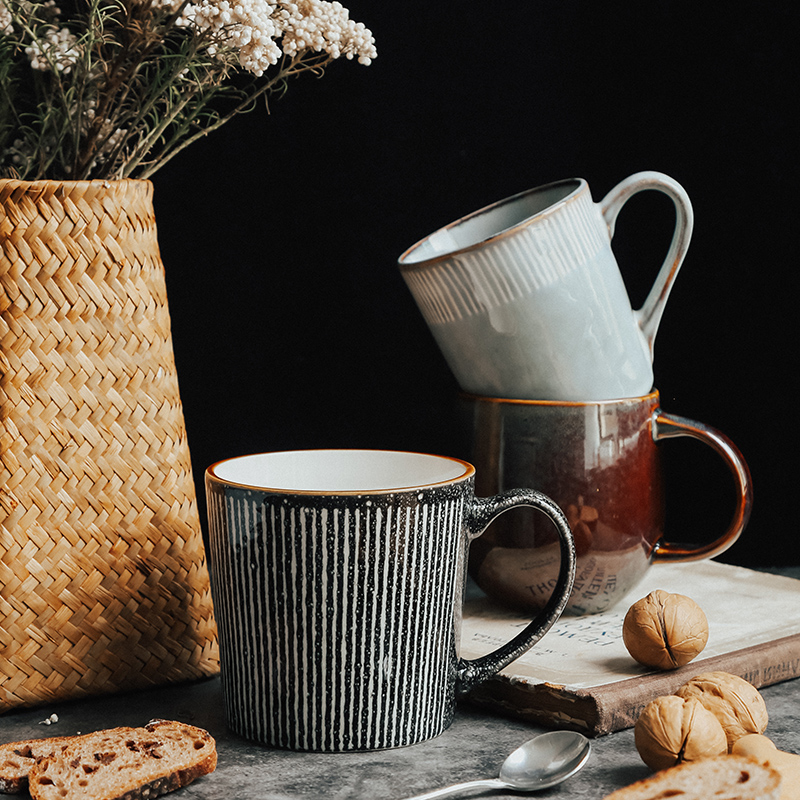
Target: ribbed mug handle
481, 511
649, 315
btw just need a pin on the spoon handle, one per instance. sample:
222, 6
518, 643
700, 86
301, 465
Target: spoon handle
469, 787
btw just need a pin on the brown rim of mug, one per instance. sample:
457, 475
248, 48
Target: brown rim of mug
652, 396
580, 186
469, 471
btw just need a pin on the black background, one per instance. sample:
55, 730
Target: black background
280, 233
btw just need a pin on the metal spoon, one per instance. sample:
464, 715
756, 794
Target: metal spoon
540, 763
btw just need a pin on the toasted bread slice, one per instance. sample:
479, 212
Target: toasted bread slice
720, 777
123, 762
17, 759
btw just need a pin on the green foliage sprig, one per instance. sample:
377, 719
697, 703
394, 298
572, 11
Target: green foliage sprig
116, 88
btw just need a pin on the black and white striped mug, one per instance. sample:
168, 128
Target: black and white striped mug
338, 578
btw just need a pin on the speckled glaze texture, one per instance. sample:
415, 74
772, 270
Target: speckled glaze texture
525, 298
339, 613
601, 463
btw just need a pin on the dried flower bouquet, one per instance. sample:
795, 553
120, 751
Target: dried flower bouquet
115, 88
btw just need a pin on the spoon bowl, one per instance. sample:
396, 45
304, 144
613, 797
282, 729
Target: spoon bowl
542, 762
545, 760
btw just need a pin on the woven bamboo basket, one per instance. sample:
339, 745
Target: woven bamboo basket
103, 579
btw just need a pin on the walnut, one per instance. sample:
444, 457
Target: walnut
665, 630
671, 730
737, 704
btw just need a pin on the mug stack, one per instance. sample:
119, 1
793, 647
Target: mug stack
529, 308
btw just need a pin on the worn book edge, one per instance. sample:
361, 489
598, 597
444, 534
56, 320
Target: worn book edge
611, 707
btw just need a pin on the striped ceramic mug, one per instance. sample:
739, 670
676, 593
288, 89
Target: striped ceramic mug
338, 578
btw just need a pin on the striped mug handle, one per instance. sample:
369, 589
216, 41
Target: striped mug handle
481, 511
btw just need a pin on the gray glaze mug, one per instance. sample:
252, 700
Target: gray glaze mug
338, 579
525, 298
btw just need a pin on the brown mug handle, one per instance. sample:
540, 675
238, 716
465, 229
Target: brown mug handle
667, 426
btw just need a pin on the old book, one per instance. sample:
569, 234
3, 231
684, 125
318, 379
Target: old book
580, 675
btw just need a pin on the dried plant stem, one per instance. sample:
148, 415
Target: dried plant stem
177, 145
117, 88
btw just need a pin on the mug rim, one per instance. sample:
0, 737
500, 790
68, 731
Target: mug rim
651, 396
580, 186
468, 472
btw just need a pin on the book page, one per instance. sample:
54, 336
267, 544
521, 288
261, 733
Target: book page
743, 607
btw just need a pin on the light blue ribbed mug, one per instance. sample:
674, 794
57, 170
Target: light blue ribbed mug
338, 578
526, 301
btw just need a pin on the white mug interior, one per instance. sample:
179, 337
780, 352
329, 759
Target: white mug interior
484, 224
340, 471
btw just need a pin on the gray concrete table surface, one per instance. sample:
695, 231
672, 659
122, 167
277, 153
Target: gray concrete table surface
472, 748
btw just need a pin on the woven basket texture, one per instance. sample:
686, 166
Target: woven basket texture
103, 578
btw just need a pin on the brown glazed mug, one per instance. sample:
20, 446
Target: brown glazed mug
601, 463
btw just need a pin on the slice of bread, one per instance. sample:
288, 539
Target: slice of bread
717, 778
17, 759
120, 762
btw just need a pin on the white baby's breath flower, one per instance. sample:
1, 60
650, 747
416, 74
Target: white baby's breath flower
47, 11
252, 28
5, 19
53, 127
172, 6
56, 50
244, 26
21, 154
325, 27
